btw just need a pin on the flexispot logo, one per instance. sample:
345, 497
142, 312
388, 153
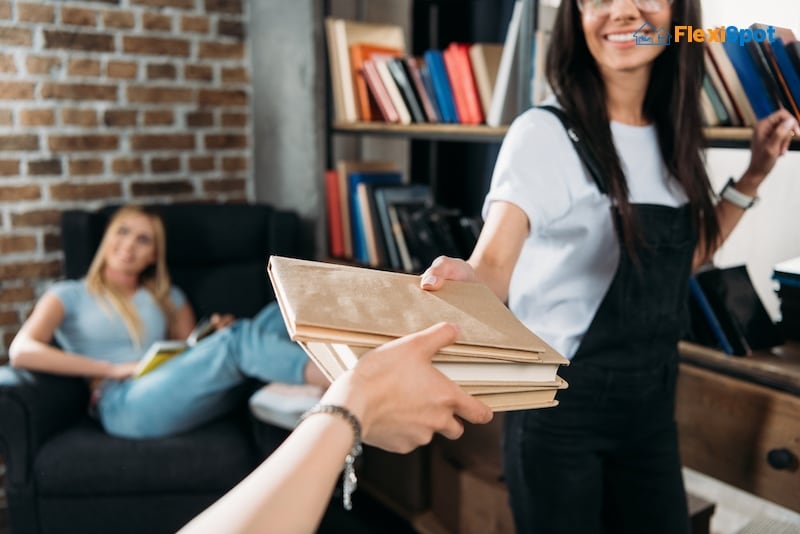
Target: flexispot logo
649, 35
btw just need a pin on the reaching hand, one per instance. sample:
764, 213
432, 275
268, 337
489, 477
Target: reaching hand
771, 138
401, 399
445, 268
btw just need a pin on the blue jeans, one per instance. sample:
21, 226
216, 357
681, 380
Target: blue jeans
201, 383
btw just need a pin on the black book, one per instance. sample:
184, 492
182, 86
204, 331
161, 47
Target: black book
740, 312
764, 67
397, 69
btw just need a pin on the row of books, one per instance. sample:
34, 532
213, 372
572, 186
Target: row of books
787, 276
496, 358
375, 79
744, 84
727, 313
376, 219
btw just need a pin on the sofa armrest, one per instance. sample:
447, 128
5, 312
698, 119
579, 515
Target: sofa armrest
33, 407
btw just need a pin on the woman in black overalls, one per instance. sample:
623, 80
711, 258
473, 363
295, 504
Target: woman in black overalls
606, 459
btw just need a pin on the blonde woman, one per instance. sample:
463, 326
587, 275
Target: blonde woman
105, 322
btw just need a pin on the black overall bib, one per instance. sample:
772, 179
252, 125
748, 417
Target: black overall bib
606, 459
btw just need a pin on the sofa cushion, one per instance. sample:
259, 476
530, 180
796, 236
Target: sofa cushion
213, 457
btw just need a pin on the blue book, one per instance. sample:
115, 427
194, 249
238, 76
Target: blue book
360, 250
790, 75
711, 318
441, 85
755, 87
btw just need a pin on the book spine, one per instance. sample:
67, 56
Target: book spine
336, 240
711, 319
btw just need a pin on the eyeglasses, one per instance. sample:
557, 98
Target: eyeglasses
603, 7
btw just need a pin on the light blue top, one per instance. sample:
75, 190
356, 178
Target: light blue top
93, 328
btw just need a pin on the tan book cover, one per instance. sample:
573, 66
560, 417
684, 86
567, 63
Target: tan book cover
365, 307
485, 58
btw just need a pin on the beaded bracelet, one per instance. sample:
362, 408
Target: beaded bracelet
349, 480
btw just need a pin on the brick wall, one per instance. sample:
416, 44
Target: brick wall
113, 101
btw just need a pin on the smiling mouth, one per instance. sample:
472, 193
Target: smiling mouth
624, 37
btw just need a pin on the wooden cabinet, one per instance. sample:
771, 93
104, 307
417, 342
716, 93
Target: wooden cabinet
739, 420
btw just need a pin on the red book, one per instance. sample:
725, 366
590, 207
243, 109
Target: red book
465, 92
368, 108
335, 231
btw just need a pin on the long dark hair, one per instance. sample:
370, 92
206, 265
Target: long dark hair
672, 102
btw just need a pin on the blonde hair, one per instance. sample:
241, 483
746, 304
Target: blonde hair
154, 279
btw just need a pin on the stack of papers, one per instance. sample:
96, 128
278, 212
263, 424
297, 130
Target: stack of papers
338, 313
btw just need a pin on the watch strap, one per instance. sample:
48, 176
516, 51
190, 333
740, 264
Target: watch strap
736, 197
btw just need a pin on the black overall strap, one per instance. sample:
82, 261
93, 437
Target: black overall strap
582, 148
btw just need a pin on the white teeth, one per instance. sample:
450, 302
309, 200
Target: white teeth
620, 37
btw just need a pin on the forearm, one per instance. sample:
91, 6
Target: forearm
28, 353
491, 274
291, 489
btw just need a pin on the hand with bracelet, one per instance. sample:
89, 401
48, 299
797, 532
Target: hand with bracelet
394, 399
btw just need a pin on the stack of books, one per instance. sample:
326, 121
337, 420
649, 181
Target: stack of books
338, 313
787, 274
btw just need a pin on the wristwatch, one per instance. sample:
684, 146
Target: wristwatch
736, 197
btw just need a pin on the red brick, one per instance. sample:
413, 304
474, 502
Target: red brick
163, 70
195, 24
121, 69
79, 91
119, 19
36, 218
35, 12
16, 90
159, 95
83, 67
224, 6
6, 117
201, 164
47, 166
234, 164
5, 9
162, 142
235, 75
159, 46
222, 97
158, 165
14, 244
9, 318
159, 118
37, 117
197, 119
42, 64
7, 65
79, 40
172, 187
85, 166
79, 117
230, 120
19, 142
85, 191
216, 50
156, 22
17, 294
120, 117
15, 36
198, 72
29, 270
83, 142
127, 166
221, 141
52, 242
9, 167
13, 193
225, 185
231, 28
182, 4
78, 16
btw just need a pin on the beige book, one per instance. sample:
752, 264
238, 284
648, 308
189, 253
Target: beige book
485, 60
365, 307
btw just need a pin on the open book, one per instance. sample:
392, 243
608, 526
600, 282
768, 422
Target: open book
161, 351
337, 313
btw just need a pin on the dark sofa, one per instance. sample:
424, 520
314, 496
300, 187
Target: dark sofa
64, 474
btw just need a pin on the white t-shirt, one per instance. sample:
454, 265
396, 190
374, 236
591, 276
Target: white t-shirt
571, 254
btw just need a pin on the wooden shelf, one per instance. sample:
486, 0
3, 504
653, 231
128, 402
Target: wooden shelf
431, 132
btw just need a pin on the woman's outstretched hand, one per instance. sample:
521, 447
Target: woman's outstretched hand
446, 268
771, 138
401, 399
